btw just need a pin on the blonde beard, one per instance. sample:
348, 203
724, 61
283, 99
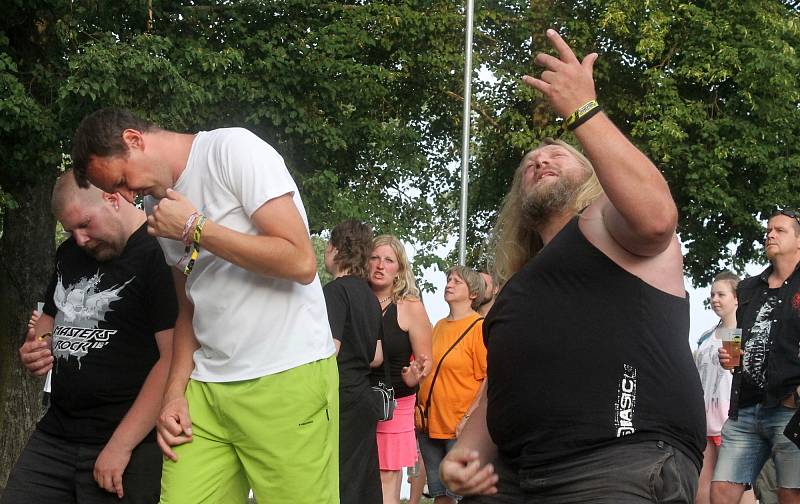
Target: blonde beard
539, 205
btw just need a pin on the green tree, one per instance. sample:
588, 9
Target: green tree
363, 99
357, 96
709, 90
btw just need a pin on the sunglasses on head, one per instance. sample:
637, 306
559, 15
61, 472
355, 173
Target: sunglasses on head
794, 214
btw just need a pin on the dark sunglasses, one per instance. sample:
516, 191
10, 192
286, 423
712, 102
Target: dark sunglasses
794, 214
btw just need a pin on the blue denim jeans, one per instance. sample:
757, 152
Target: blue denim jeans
748, 442
647, 471
433, 451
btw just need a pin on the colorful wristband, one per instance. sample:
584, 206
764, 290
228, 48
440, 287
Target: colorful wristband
196, 235
198, 230
186, 236
580, 116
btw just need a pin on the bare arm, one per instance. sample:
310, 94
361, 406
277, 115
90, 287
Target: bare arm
174, 424
282, 249
639, 212
138, 421
184, 342
420, 333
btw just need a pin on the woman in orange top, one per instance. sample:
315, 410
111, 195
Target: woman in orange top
459, 376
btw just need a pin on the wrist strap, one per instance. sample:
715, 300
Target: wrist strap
580, 116
196, 235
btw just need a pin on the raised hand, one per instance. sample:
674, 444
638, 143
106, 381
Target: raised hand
416, 370
566, 82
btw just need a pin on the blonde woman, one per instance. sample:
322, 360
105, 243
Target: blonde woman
407, 347
716, 380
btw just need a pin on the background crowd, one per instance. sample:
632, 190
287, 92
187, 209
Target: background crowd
307, 393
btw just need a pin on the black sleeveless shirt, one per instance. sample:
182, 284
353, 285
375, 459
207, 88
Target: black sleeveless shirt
583, 354
397, 345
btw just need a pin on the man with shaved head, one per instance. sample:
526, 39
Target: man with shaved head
106, 334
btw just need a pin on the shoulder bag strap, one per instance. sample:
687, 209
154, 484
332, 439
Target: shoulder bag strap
439, 366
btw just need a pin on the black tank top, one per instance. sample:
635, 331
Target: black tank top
397, 345
583, 354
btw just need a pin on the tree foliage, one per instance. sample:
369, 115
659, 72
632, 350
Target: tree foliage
709, 90
357, 96
363, 99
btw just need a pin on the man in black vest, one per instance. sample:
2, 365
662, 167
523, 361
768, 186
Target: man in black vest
764, 394
592, 394
106, 334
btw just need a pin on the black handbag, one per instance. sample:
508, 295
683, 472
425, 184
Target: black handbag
384, 390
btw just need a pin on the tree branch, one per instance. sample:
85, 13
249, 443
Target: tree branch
475, 108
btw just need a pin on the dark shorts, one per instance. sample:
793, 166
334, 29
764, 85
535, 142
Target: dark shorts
648, 471
53, 471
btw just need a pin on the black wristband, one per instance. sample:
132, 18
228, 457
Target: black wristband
585, 117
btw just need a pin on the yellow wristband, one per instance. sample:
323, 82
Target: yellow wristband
198, 230
581, 115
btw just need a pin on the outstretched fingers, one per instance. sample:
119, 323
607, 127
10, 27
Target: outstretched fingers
588, 62
537, 84
565, 53
566, 82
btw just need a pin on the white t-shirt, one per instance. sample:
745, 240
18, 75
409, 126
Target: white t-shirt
716, 382
247, 325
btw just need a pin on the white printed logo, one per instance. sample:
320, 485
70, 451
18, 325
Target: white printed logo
626, 402
80, 307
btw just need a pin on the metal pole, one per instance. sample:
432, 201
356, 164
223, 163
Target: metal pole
462, 242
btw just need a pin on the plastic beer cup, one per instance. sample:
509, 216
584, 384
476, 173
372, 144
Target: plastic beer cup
732, 343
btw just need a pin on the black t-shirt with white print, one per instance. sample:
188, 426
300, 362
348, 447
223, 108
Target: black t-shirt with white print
756, 351
106, 316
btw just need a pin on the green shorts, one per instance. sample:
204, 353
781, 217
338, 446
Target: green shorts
278, 434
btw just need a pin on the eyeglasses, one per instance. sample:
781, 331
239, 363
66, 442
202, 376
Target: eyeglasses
794, 214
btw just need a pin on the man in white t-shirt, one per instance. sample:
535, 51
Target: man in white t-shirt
253, 360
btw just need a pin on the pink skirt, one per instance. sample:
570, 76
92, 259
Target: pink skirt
397, 444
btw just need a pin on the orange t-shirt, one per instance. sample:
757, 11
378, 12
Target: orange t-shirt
460, 377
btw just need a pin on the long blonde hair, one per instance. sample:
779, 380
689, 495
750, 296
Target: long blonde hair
513, 241
405, 285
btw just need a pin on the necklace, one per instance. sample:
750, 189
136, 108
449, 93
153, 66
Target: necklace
387, 298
